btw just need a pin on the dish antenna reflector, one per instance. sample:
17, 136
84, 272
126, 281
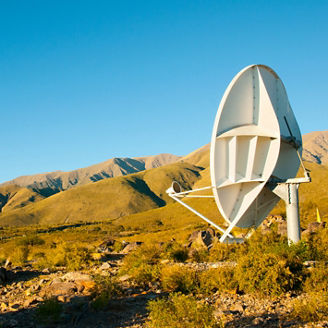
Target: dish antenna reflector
255, 154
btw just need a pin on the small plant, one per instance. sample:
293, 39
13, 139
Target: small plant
223, 252
142, 265
30, 240
181, 311
317, 280
49, 311
218, 279
175, 278
312, 308
176, 252
73, 257
105, 290
199, 255
20, 254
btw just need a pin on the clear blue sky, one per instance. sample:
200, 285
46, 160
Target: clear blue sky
84, 81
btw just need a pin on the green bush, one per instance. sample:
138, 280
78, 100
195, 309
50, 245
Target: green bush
312, 308
268, 273
199, 255
49, 311
105, 289
19, 255
217, 279
223, 252
318, 279
30, 240
176, 252
142, 265
73, 257
176, 278
181, 311
318, 244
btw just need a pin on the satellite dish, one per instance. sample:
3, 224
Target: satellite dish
255, 149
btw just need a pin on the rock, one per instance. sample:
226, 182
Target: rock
83, 282
61, 298
310, 264
3, 306
124, 278
282, 228
56, 281
105, 266
258, 321
107, 243
265, 229
203, 238
46, 270
238, 307
61, 288
131, 247
73, 276
315, 226
30, 301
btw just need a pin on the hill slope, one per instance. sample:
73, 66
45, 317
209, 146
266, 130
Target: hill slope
315, 145
12, 197
48, 184
109, 198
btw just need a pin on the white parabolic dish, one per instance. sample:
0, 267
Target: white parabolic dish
255, 139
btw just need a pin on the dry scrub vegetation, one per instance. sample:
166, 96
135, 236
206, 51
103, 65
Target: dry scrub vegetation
188, 276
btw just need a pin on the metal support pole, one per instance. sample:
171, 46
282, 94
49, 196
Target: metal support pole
292, 211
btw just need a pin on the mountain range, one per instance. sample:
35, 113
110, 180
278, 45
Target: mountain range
47, 184
135, 185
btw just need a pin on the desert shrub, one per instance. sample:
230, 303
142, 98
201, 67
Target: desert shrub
263, 242
176, 278
19, 255
301, 251
176, 252
268, 273
199, 255
73, 257
318, 243
49, 311
142, 265
30, 240
314, 307
318, 279
217, 279
223, 252
180, 311
105, 289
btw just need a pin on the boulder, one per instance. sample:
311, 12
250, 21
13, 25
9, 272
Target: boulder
61, 288
131, 247
204, 238
282, 228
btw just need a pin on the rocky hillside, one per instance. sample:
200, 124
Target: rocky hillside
315, 147
13, 196
109, 198
47, 184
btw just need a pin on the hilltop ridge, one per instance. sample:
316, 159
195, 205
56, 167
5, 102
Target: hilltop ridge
47, 184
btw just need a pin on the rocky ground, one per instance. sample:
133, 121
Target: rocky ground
25, 289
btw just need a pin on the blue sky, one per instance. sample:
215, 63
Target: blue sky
84, 81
